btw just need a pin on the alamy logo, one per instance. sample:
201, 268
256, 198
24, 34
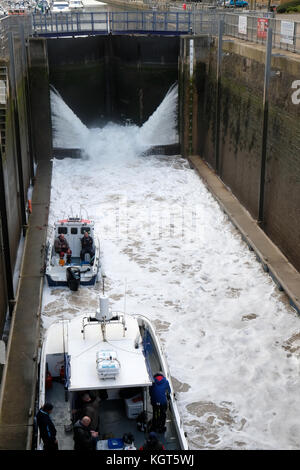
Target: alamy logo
296, 94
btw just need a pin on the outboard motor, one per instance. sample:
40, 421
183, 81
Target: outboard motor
73, 277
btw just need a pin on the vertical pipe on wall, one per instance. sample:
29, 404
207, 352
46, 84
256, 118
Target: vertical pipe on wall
5, 240
191, 94
218, 96
265, 126
17, 133
28, 111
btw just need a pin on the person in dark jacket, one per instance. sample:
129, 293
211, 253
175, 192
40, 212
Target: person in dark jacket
159, 394
84, 437
152, 443
47, 428
87, 404
61, 247
86, 246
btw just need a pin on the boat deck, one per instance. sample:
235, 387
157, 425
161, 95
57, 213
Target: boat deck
112, 417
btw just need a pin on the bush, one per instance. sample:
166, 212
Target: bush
293, 9
289, 6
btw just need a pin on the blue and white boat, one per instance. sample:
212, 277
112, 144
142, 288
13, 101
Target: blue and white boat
62, 272
112, 353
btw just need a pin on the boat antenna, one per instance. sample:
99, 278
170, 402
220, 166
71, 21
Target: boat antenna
125, 296
103, 280
65, 360
123, 321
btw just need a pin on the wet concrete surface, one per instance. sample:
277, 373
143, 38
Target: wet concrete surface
20, 374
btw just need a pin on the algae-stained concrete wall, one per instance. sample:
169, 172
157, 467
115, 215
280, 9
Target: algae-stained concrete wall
39, 102
240, 113
282, 190
16, 167
113, 77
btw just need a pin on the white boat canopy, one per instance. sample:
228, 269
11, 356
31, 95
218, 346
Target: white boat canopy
83, 348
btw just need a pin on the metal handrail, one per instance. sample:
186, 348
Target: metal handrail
244, 25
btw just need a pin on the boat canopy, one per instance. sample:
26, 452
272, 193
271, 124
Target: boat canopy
83, 349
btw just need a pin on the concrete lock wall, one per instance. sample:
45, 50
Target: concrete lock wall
113, 77
224, 126
16, 167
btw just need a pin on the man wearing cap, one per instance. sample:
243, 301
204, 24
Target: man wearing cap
47, 428
159, 394
87, 244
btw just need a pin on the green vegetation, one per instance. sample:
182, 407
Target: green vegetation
289, 7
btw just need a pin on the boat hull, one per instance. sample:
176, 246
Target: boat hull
52, 283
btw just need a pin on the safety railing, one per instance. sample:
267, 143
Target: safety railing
62, 24
244, 25
286, 33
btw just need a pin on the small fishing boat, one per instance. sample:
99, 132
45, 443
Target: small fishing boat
115, 356
75, 5
72, 271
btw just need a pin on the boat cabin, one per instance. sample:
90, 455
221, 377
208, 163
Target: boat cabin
73, 230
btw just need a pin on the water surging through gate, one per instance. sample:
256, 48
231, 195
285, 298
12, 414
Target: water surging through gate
114, 141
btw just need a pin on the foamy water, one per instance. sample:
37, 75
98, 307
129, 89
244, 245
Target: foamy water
231, 340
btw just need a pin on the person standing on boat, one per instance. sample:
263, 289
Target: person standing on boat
87, 404
47, 428
61, 247
84, 437
152, 443
87, 246
159, 394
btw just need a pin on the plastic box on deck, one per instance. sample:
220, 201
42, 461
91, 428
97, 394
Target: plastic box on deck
134, 406
107, 364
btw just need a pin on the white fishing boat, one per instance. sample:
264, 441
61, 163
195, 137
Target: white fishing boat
76, 5
112, 353
73, 270
60, 7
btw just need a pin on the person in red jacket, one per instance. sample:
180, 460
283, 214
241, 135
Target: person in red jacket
159, 394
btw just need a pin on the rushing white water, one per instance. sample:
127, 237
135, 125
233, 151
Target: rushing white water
70, 132
231, 340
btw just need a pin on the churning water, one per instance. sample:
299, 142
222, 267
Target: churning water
231, 340
70, 132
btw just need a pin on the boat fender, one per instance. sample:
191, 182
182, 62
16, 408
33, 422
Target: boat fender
62, 373
48, 380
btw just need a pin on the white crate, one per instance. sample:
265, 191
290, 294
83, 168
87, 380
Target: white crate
107, 364
133, 408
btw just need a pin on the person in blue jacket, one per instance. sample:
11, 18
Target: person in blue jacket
159, 395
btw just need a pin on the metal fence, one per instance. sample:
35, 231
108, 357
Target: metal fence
66, 24
286, 34
245, 25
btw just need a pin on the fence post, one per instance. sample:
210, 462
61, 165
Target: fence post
218, 95
265, 125
191, 94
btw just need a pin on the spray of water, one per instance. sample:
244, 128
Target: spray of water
68, 131
114, 141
